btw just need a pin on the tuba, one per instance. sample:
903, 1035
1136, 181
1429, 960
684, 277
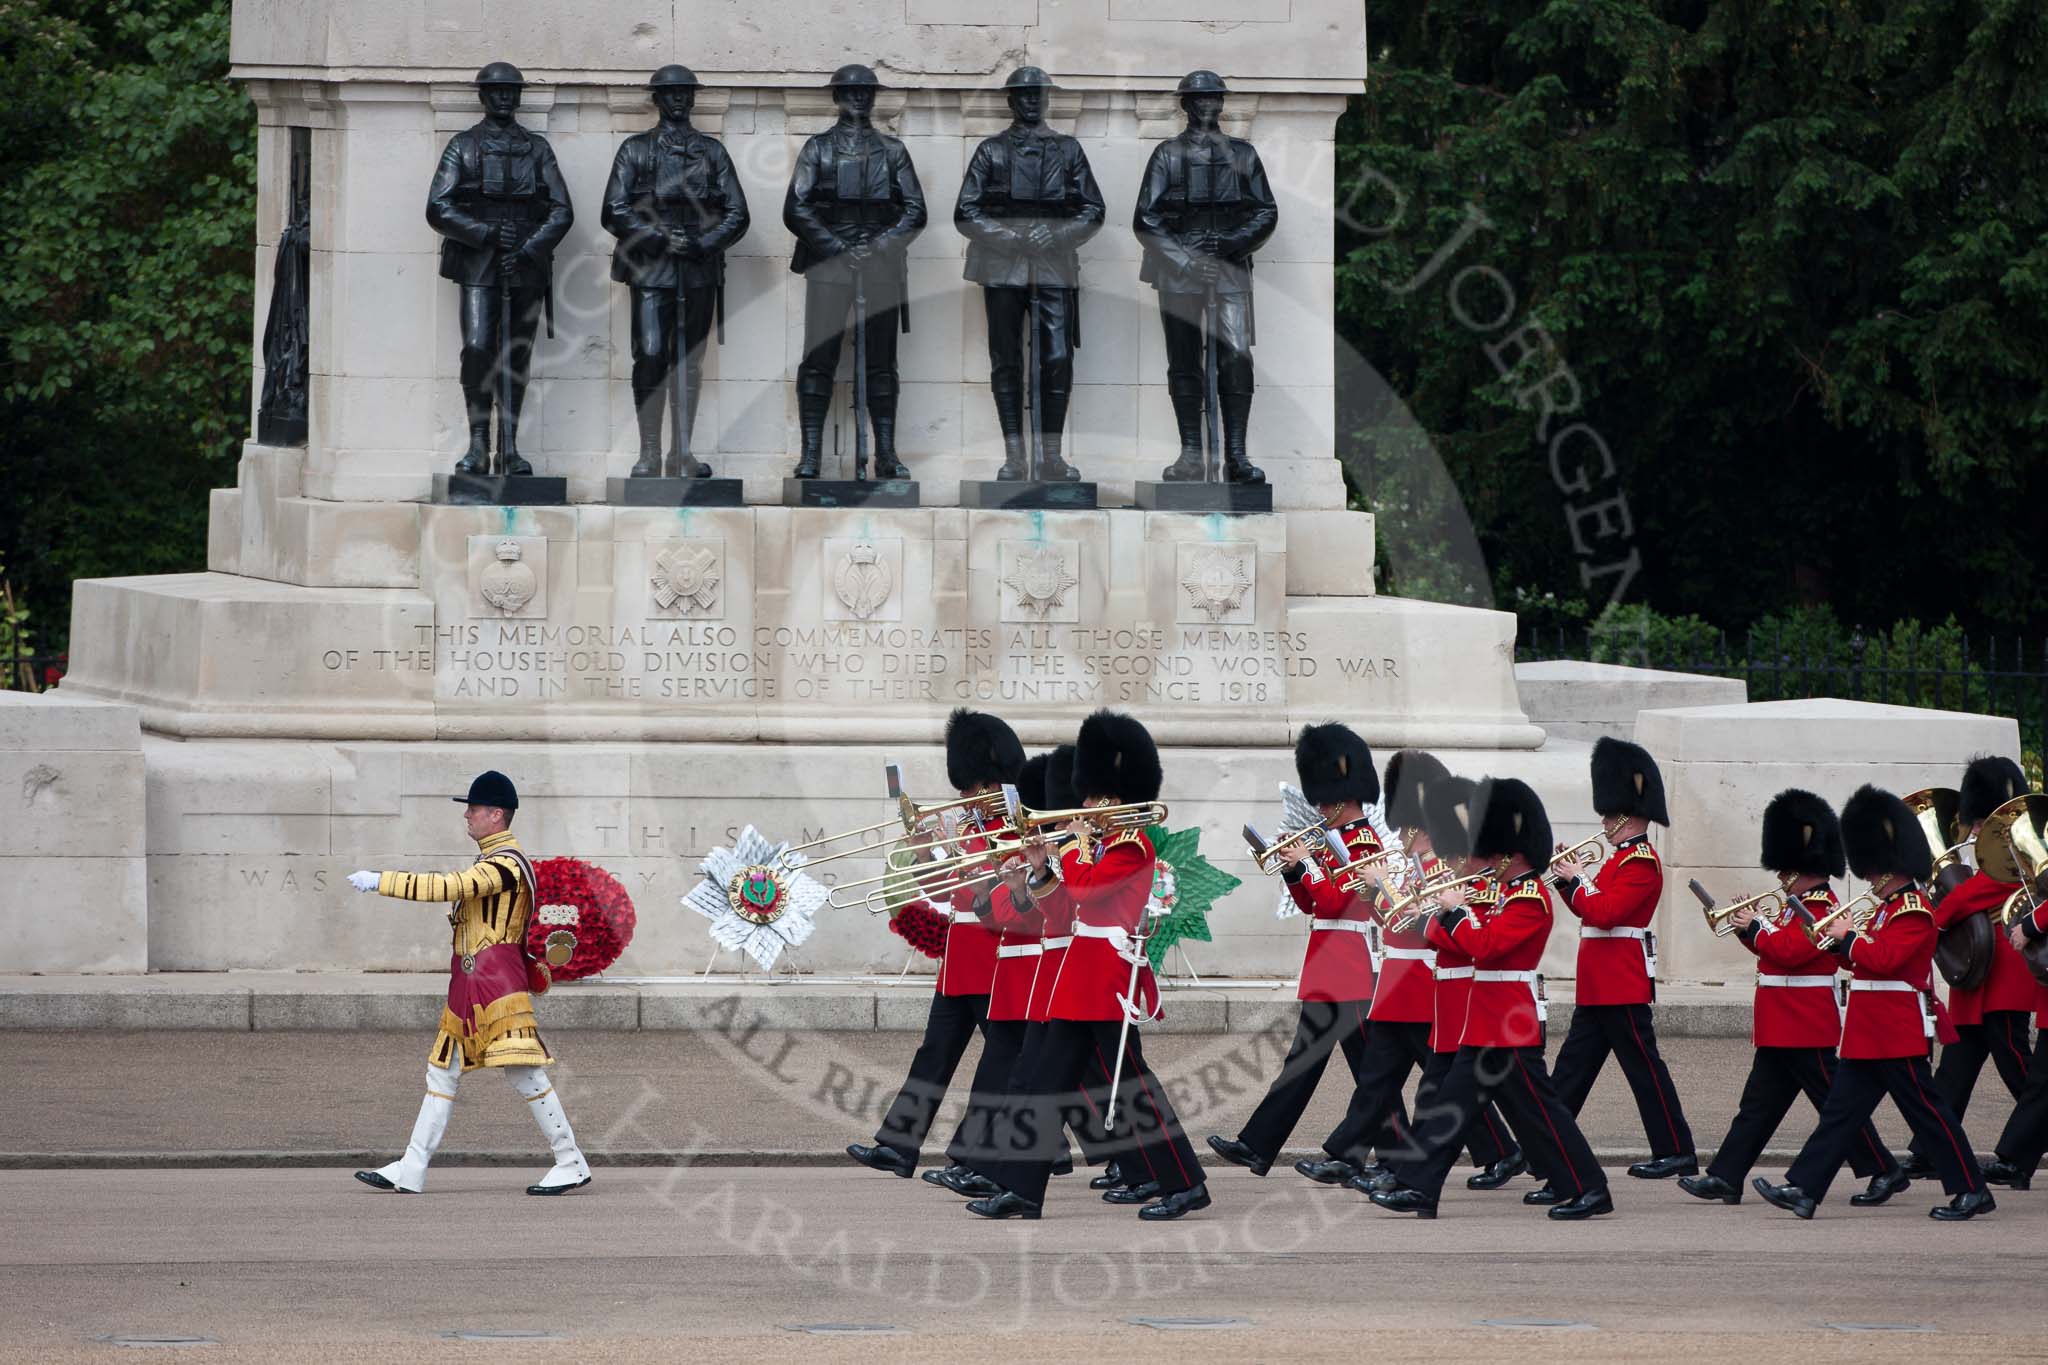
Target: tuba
1963, 952
2012, 846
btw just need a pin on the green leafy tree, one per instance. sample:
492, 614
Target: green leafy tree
1791, 254
125, 286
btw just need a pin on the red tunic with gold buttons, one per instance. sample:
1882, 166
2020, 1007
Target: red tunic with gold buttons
1505, 942
1337, 964
1796, 1000
1018, 950
1888, 1017
1453, 970
1405, 992
1614, 912
1109, 889
968, 966
2009, 986
1057, 908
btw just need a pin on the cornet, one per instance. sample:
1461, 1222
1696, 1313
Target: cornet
1351, 875
1581, 854
1406, 912
1272, 858
1860, 912
1765, 905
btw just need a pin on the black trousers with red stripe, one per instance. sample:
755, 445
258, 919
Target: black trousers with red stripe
1321, 1027
2026, 1133
1778, 1076
1002, 1040
1147, 1132
1859, 1084
1515, 1079
2005, 1038
1376, 1118
1627, 1032
948, 1028
993, 1102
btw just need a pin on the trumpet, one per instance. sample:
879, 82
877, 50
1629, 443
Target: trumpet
1272, 858
1580, 854
1859, 911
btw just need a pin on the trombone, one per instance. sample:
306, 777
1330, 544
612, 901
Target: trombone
1132, 815
1579, 854
1272, 858
914, 817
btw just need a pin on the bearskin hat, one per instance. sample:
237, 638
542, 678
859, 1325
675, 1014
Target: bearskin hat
980, 750
1059, 780
1626, 781
1882, 839
1802, 837
1511, 820
1989, 782
1447, 816
1335, 766
1408, 772
1114, 756
1030, 782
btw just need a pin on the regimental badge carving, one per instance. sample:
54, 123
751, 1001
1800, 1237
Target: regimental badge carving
1040, 579
686, 579
863, 580
1218, 580
509, 584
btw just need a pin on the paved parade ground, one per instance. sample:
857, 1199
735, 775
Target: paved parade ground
720, 1255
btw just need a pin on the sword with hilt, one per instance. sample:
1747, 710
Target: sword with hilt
1128, 1002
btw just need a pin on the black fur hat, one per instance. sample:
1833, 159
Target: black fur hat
1883, 839
1802, 837
1408, 772
1989, 782
1335, 765
1059, 780
1511, 820
1114, 756
1447, 816
980, 749
1031, 782
1626, 781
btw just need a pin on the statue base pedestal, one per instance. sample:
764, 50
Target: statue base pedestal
1027, 496
1233, 499
656, 492
850, 493
500, 490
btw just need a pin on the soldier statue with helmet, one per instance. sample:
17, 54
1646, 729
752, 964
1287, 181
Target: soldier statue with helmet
675, 204
501, 208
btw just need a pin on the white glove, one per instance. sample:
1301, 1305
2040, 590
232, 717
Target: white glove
363, 881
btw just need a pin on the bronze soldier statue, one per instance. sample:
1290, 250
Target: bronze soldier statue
1027, 203
1204, 207
854, 205
675, 205
501, 208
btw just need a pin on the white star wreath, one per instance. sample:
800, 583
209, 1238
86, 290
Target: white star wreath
757, 897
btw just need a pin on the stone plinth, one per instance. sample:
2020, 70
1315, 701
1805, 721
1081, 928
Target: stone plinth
1723, 764
1573, 699
71, 844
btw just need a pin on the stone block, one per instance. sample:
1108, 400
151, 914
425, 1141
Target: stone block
76, 913
65, 721
224, 530
1329, 554
130, 1004
722, 1007
1579, 700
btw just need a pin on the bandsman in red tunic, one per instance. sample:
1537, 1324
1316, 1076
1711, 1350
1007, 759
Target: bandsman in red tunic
488, 1022
1110, 881
1401, 1019
1337, 976
1889, 1020
2025, 1138
1500, 1050
1798, 1021
982, 754
1992, 1020
1617, 979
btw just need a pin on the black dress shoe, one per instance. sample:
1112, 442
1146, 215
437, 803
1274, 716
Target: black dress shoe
1063, 1164
2003, 1172
1882, 1186
1110, 1178
1132, 1194
1591, 1204
936, 1175
1499, 1173
378, 1182
1545, 1195
1003, 1205
883, 1157
969, 1184
1963, 1207
1335, 1171
1401, 1199
1790, 1198
1710, 1187
1237, 1154
1664, 1167
1367, 1185
1176, 1205
1919, 1167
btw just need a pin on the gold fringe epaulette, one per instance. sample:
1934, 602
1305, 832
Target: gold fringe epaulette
1913, 903
1642, 850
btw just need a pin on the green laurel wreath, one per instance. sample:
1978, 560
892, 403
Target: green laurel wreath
1198, 884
